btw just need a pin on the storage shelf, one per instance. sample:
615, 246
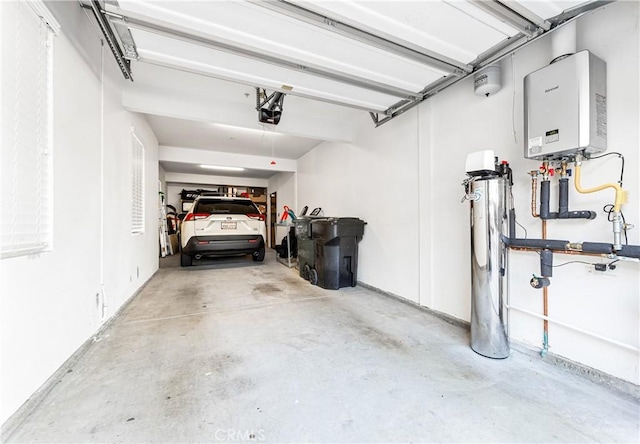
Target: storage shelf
288, 261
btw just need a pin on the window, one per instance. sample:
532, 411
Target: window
26, 198
137, 185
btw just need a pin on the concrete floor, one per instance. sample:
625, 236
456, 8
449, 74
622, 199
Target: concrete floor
233, 351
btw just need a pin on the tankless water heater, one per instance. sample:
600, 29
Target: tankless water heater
566, 108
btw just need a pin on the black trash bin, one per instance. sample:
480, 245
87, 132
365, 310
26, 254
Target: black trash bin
336, 251
306, 250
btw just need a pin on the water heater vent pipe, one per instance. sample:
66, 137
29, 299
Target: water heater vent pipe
563, 41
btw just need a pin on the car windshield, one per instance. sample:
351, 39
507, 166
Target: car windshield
215, 206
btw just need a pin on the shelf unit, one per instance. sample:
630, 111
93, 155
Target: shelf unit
256, 194
288, 261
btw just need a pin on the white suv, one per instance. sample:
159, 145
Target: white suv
222, 226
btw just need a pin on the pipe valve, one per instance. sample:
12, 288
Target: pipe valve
617, 230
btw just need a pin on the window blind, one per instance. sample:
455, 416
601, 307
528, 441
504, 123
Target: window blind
137, 185
26, 198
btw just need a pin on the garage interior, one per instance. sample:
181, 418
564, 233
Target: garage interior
379, 106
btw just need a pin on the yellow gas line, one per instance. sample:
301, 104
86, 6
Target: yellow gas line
621, 195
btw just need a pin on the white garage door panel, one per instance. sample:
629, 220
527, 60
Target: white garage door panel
445, 28
167, 51
271, 33
379, 55
546, 9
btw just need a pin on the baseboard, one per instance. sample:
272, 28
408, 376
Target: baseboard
18, 418
438, 314
576, 368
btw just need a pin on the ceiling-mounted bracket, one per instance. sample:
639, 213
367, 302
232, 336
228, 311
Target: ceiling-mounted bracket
521, 19
269, 107
110, 38
572, 13
123, 35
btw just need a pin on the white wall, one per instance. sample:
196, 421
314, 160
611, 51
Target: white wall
459, 122
162, 177
404, 180
375, 179
53, 302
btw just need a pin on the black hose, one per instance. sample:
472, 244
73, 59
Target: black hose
629, 251
546, 263
598, 247
549, 244
512, 223
545, 214
563, 196
582, 214
563, 207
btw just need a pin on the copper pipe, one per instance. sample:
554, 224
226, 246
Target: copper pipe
534, 193
579, 253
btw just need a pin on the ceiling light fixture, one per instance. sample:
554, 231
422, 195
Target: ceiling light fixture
261, 131
221, 168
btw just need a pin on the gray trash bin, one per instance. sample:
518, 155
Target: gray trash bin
306, 250
336, 251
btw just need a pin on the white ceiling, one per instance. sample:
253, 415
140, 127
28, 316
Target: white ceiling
198, 64
196, 170
227, 139
262, 140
